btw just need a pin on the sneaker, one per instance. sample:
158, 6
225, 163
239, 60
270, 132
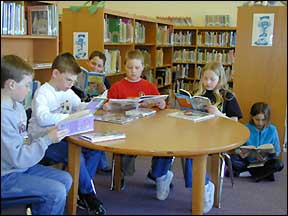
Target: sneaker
91, 203
245, 174
152, 180
122, 184
163, 185
208, 197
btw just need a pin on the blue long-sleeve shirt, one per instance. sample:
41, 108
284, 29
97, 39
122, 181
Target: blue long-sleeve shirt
267, 135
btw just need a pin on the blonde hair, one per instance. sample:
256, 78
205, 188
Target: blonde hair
221, 88
134, 54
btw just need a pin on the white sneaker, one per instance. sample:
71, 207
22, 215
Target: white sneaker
163, 185
244, 174
208, 197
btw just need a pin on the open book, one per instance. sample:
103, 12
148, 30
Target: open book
265, 151
192, 115
103, 136
140, 112
95, 104
186, 100
88, 81
114, 117
78, 122
133, 103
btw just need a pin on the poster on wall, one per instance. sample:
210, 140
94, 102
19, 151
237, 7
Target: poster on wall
80, 45
263, 25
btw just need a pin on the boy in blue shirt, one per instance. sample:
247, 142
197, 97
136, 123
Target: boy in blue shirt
21, 175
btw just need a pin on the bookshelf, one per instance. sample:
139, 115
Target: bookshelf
38, 50
262, 70
113, 31
194, 46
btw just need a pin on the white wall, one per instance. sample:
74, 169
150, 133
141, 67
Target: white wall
194, 9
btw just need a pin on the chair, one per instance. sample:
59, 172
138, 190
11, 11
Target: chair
184, 104
13, 201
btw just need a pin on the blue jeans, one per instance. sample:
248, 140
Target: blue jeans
89, 160
188, 173
103, 162
160, 166
50, 183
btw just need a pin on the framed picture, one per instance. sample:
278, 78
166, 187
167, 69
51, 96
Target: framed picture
263, 25
39, 20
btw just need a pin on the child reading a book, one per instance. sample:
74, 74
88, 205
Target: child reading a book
134, 86
21, 175
261, 132
53, 102
96, 63
213, 85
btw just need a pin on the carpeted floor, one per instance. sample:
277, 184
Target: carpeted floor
139, 196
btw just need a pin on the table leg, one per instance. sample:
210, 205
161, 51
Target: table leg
73, 168
215, 171
117, 171
198, 182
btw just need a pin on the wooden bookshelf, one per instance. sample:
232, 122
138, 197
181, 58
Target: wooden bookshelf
262, 70
35, 49
194, 46
94, 24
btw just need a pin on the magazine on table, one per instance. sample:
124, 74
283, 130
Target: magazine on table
192, 115
103, 136
114, 117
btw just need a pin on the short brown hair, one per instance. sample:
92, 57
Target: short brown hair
134, 54
99, 54
13, 67
66, 62
260, 108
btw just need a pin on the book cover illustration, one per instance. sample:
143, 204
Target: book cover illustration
103, 136
114, 117
78, 122
192, 115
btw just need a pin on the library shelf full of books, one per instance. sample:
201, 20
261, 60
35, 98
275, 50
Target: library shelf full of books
23, 34
194, 46
115, 33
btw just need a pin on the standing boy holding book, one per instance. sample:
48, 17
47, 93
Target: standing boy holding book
134, 86
53, 102
21, 175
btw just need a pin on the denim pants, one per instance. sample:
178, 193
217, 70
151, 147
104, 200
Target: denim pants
188, 173
103, 162
50, 183
159, 165
89, 160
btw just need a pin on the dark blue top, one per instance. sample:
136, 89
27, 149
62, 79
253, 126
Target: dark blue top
229, 106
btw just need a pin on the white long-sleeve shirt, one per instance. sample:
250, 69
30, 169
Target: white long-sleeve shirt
50, 106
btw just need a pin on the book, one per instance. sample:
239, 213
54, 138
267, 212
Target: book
185, 99
192, 115
95, 104
265, 151
262, 149
78, 122
140, 112
103, 136
88, 81
114, 117
133, 103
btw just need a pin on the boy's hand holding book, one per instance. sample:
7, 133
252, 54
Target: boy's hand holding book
57, 135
